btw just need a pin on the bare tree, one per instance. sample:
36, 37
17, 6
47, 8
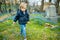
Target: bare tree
50, 0
42, 5
57, 5
4, 2
0, 5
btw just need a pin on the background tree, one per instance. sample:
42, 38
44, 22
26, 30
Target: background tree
5, 5
50, 0
42, 5
57, 5
0, 5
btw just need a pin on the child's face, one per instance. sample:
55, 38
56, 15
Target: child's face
23, 8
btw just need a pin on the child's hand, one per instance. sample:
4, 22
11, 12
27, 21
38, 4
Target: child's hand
14, 22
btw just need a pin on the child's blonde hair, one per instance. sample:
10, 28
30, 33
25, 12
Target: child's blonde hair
23, 5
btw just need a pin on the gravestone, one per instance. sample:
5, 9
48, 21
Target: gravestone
51, 13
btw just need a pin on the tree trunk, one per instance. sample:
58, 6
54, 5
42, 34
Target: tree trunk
0, 6
50, 1
57, 5
20, 1
42, 5
4, 2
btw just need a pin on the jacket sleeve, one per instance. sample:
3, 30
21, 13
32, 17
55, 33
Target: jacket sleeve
17, 16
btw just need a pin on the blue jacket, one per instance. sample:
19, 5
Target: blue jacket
21, 17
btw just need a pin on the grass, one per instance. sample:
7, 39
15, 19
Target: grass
9, 31
35, 30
